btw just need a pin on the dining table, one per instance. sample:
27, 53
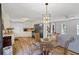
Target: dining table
47, 46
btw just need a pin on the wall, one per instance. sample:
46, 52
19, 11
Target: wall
6, 19
19, 26
18, 29
1, 40
71, 30
70, 24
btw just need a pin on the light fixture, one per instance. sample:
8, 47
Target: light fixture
24, 19
20, 20
46, 15
45, 20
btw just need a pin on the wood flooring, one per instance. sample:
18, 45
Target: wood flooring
21, 43
22, 46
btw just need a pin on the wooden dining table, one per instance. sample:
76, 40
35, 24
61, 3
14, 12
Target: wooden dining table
46, 47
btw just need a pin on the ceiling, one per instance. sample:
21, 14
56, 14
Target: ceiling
34, 11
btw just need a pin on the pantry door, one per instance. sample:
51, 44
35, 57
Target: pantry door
1, 40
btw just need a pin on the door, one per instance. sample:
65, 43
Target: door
1, 43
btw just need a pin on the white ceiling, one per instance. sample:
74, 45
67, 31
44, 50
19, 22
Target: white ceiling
34, 11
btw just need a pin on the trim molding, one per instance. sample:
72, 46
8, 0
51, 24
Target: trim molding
70, 50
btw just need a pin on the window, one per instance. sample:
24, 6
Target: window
63, 28
78, 29
53, 28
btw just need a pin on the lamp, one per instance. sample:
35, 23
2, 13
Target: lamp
45, 20
46, 15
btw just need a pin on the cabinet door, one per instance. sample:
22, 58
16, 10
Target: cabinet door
7, 41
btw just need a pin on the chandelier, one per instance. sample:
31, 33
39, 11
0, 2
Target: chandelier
46, 15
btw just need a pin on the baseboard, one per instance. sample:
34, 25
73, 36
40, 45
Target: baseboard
70, 50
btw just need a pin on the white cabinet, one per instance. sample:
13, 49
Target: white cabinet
8, 50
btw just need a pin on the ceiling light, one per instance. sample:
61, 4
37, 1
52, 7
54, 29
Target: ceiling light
24, 19
20, 20
46, 15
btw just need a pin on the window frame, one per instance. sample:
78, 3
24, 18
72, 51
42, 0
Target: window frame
77, 28
63, 28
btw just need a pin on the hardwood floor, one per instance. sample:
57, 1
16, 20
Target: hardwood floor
60, 51
23, 46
